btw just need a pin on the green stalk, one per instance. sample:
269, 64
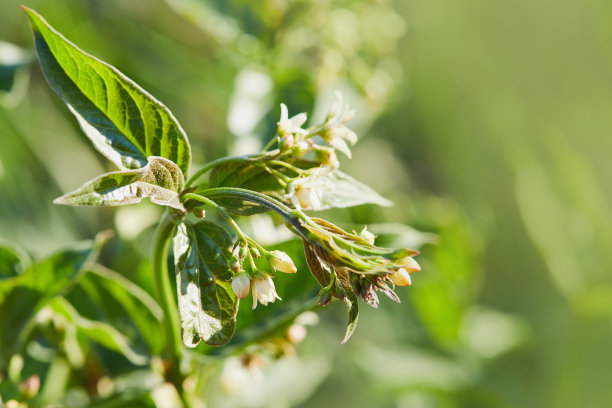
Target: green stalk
291, 216
165, 297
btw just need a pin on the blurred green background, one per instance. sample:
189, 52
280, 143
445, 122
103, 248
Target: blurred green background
487, 123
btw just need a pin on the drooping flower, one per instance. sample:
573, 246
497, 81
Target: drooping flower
241, 285
281, 262
351, 262
264, 291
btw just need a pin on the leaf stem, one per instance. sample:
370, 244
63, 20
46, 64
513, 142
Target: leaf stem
293, 217
165, 297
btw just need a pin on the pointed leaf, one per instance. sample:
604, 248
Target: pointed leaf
207, 303
351, 302
353, 308
124, 122
342, 191
160, 180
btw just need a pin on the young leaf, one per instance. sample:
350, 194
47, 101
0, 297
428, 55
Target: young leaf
352, 303
124, 122
207, 303
342, 191
160, 180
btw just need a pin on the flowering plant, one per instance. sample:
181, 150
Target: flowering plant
216, 263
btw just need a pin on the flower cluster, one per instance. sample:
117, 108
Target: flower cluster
299, 141
258, 281
344, 262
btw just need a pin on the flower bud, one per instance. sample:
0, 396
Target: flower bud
29, 388
401, 277
286, 142
241, 285
411, 265
255, 252
281, 262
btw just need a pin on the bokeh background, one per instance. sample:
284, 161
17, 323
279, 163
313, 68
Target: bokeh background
487, 123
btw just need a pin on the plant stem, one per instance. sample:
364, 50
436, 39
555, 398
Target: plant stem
221, 211
292, 216
165, 297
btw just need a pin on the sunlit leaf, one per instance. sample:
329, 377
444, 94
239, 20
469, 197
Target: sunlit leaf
207, 304
123, 121
160, 180
342, 191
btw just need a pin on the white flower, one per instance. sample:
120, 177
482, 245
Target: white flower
307, 192
336, 134
241, 285
281, 262
290, 125
264, 291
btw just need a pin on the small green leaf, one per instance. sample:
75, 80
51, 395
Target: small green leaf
352, 303
207, 303
124, 122
14, 76
21, 297
99, 332
342, 191
160, 180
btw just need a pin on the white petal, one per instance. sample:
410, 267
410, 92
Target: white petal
340, 144
298, 120
284, 113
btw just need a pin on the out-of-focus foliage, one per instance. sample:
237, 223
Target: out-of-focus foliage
488, 124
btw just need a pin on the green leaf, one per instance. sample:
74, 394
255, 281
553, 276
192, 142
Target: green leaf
352, 303
207, 303
160, 180
14, 76
99, 332
21, 297
124, 122
342, 191
12, 262
119, 301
